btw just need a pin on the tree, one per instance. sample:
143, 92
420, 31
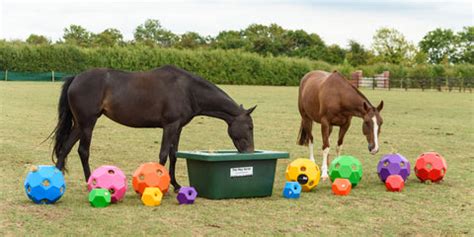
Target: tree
37, 39
152, 33
334, 54
391, 46
265, 40
191, 40
301, 44
77, 35
229, 40
357, 54
465, 45
438, 45
108, 38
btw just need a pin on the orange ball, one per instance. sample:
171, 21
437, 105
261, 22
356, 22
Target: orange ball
341, 187
151, 174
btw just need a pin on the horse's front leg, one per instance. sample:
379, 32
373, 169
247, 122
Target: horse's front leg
173, 158
170, 133
342, 132
326, 129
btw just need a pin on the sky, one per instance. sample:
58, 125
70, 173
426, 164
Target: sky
336, 21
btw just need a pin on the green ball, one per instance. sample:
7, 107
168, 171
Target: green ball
346, 167
99, 197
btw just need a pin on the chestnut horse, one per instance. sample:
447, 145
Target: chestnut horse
167, 97
329, 99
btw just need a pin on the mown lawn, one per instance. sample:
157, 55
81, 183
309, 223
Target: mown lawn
414, 122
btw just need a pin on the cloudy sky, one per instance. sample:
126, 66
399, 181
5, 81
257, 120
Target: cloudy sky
336, 21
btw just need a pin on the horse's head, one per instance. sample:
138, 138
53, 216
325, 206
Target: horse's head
372, 126
241, 131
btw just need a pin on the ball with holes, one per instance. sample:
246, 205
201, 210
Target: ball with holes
151, 174
341, 187
99, 197
292, 190
393, 164
111, 178
430, 166
152, 197
305, 172
44, 184
186, 195
394, 183
346, 167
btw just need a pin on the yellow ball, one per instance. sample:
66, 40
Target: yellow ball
152, 197
305, 172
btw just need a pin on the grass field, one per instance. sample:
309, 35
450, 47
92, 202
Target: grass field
414, 122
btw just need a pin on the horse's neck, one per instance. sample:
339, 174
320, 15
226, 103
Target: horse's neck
213, 102
357, 103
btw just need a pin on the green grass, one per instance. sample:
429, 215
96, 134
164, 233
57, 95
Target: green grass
414, 122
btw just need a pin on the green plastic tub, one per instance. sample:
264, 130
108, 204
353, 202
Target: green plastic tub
229, 174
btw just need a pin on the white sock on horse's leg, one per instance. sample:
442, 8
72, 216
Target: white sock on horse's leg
324, 166
311, 152
339, 150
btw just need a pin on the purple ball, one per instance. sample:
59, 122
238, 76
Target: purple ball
393, 164
186, 195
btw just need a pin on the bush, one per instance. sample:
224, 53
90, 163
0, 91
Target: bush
218, 66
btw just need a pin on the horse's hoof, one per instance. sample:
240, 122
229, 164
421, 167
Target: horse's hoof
176, 189
325, 178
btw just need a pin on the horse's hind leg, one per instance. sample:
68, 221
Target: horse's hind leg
84, 145
306, 136
71, 140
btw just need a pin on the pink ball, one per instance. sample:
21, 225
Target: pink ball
111, 178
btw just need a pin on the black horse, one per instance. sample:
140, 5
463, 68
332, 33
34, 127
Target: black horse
166, 97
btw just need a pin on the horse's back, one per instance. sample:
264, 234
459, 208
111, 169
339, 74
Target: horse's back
321, 91
136, 99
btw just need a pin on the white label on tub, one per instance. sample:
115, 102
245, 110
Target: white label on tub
241, 171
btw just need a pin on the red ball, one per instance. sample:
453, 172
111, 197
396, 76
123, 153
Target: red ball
430, 166
394, 183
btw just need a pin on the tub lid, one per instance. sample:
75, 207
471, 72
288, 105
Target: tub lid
231, 155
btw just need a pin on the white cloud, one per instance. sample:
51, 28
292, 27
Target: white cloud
335, 21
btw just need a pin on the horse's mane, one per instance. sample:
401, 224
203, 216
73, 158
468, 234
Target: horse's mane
362, 95
355, 88
201, 81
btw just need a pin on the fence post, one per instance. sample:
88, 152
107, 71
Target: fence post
52, 76
373, 83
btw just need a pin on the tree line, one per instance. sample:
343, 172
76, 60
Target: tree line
439, 46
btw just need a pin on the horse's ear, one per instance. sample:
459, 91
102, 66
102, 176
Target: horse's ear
241, 106
249, 111
366, 107
380, 106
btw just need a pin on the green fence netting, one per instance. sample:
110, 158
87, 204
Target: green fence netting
32, 76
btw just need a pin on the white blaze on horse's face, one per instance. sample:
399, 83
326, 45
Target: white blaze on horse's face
376, 135
371, 130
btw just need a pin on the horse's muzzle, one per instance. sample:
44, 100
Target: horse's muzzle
372, 149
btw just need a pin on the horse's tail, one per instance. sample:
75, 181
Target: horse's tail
65, 120
305, 132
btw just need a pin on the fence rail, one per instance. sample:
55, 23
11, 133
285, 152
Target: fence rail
32, 76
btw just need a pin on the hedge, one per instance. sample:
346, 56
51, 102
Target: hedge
218, 66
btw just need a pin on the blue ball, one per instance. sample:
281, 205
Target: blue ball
292, 190
45, 184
